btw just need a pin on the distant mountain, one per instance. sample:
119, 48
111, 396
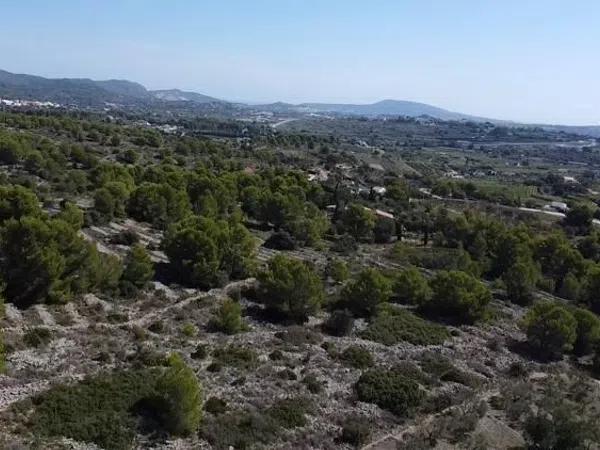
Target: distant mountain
89, 93
83, 92
125, 88
176, 95
385, 108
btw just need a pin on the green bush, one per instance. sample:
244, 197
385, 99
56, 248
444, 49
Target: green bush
240, 430
228, 318
339, 323
216, 406
178, 398
139, 268
236, 356
390, 390
356, 431
290, 412
357, 357
97, 410
313, 384
551, 329
337, 270
560, 428
442, 369
37, 337
189, 330
458, 296
411, 287
588, 331
291, 288
394, 325
363, 295
299, 336
520, 280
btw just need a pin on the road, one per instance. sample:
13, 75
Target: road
283, 122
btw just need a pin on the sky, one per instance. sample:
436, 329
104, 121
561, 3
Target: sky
534, 61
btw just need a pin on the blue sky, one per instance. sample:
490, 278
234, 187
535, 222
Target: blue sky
527, 60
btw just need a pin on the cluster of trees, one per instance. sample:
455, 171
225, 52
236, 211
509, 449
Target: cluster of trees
295, 290
45, 259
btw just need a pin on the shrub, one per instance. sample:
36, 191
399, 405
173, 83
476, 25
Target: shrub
228, 318
389, 390
178, 398
520, 280
339, 323
313, 384
551, 329
458, 296
280, 240
299, 336
337, 270
125, 237
240, 430
189, 330
201, 352
290, 412
287, 374
37, 337
561, 428
139, 268
356, 431
357, 357
588, 331
363, 295
393, 325
384, 230
441, 368
291, 288
235, 356
96, 410
411, 287
216, 406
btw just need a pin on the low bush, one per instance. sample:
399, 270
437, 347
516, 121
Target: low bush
339, 323
189, 330
389, 390
357, 357
337, 270
299, 336
394, 325
105, 409
215, 406
560, 428
177, 398
356, 431
37, 337
313, 384
228, 318
290, 412
442, 369
201, 352
235, 356
240, 430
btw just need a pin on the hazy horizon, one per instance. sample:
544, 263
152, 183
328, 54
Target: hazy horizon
531, 62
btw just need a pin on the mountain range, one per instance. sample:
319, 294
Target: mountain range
87, 93
84, 92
